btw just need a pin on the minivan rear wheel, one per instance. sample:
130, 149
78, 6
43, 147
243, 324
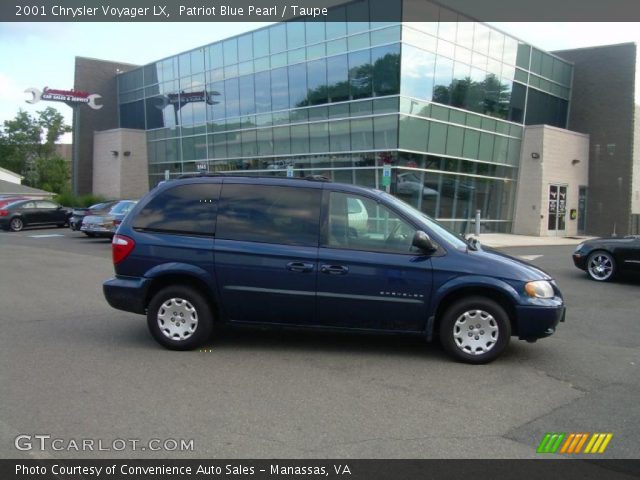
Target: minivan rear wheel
475, 330
179, 318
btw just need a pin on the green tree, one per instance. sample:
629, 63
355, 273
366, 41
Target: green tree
27, 147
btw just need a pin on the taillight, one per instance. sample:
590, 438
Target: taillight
4, 213
121, 247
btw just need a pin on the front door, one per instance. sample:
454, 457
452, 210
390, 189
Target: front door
557, 216
369, 276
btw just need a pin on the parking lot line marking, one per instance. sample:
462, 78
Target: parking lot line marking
530, 257
47, 235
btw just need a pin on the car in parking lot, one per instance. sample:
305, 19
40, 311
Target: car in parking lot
604, 258
106, 224
27, 213
78, 214
280, 252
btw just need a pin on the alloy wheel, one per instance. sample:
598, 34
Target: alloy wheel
601, 266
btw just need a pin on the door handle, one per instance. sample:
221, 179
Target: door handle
299, 267
334, 269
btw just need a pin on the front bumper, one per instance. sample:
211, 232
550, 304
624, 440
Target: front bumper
579, 260
539, 321
126, 293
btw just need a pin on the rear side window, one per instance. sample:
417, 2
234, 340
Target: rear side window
122, 207
269, 214
185, 209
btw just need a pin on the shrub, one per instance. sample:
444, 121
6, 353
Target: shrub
68, 199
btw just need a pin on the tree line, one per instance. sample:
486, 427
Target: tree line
28, 147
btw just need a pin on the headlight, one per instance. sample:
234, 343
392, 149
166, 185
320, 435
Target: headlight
539, 289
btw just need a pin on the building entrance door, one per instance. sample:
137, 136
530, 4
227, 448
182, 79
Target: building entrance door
557, 210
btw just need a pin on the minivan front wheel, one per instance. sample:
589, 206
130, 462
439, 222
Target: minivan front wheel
475, 330
179, 318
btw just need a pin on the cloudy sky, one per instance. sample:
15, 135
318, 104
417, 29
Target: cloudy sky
42, 54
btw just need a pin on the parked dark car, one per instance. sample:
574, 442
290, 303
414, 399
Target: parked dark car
79, 213
22, 213
604, 258
106, 224
281, 252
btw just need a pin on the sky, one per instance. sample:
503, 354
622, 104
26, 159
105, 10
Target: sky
42, 54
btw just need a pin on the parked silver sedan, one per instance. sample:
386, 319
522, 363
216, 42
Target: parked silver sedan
106, 225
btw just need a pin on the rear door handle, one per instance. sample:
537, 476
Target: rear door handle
299, 267
334, 269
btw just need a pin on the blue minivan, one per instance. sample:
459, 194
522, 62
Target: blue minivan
310, 253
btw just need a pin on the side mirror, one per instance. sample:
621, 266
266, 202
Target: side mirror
422, 241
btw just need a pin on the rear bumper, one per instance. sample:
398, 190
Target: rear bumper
126, 293
538, 322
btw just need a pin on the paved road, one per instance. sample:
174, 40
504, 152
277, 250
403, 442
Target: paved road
72, 367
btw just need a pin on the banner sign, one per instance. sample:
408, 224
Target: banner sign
70, 97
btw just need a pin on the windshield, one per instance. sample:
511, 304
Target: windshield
433, 225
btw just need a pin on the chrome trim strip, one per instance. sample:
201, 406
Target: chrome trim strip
370, 297
269, 290
322, 294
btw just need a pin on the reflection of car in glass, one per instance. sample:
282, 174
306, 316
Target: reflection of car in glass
105, 225
278, 165
284, 255
448, 185
22, 213
604, 258
357, 215
409, 183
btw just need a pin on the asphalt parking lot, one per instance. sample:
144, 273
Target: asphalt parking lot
73, 368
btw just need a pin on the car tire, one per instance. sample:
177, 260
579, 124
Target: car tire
601, 266
179, 318
16, 224
61, 225
475, 330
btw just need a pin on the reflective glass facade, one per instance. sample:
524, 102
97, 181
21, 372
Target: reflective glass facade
443, 103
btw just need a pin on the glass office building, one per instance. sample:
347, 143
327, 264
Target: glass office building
443, 103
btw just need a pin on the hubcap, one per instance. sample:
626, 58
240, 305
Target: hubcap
16, 224
601, 266
177, 319
475, 332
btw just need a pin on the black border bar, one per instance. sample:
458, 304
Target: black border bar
283, 469
317, 10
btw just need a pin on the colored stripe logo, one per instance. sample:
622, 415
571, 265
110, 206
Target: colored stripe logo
573, 443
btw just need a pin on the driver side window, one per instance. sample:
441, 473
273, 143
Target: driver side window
359, 223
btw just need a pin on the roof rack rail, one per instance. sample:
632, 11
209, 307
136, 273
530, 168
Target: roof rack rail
317, 178
310, 178
199, 174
